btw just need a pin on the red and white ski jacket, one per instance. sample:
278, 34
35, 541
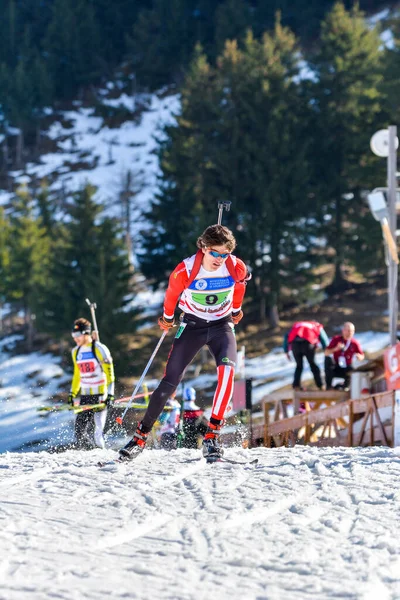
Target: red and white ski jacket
212, 295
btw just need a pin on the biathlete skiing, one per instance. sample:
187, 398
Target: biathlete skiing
209, 288
93, 380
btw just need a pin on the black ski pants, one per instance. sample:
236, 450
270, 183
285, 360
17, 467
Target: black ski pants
193, 333
84, 423
332, 370
302, 348
84, 430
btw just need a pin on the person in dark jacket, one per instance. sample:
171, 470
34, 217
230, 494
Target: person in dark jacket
303, 339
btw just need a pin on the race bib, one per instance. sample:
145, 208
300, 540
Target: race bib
86, 367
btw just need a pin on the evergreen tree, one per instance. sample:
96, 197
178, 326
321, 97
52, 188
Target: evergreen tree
232, 19
391, 81
25, 90
46, 210
186, 204
116, 20
263, 160
348, 110
5, 233
30, 259
161, 44
241, 136
8, 32
90, 261
72, 45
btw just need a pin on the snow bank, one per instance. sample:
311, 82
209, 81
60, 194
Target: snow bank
305, 523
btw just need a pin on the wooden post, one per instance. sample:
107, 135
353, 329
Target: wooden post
267, 438
371, 432
351, 424
364, 424
379, 423
296, 403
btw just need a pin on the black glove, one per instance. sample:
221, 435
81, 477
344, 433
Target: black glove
71, 399
109, 400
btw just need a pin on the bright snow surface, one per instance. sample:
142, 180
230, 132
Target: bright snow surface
303, 523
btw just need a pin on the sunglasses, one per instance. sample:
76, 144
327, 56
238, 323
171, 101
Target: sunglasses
76, 334
216, 254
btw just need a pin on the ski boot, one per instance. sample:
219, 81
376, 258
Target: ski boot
212, 451
135, 446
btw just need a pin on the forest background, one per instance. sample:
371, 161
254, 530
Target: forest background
278, 103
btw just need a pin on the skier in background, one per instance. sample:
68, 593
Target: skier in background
302, 340
93, 380
210, 286
169, 424
192, 418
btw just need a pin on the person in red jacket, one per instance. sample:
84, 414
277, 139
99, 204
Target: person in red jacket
339, 355
302, 340
209, 288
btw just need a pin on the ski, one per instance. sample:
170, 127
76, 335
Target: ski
107, 463
121, 459
223, 459
209, 460
230, 461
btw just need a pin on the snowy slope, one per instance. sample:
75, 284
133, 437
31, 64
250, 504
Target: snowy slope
28, 381
88, 151
305, 523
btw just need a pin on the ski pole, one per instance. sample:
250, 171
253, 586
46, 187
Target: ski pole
145, 395
137, 405
221, 207
139, 383
93, 307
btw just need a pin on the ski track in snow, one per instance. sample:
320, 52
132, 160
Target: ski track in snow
304, 523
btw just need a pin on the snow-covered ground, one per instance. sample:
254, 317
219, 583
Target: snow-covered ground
305, 523
28, 381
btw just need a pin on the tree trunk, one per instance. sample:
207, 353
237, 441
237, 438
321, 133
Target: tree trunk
274, 315
263, 309
38, 139
19, 151
30, 332
339, 278
275, 279
5, 154
128, 191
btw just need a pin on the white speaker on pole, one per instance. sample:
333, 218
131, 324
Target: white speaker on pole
380, 143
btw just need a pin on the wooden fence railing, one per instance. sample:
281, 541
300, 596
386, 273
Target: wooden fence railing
347, 423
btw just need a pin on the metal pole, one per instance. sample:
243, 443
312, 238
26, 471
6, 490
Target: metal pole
393, 268
139, 383
93, 307
221, 207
